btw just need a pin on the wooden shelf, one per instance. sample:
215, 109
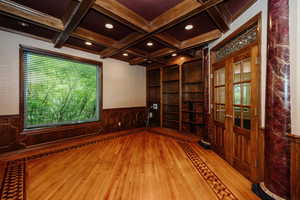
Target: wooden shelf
171, 104
153, 100
192, 92
196, 92
171, 120
170, 92
174, 113
191, 111
192, 82
154, 95
154, 86
170, 81
194, 123
193, 101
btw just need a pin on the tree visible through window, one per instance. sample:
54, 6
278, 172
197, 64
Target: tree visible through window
59, 91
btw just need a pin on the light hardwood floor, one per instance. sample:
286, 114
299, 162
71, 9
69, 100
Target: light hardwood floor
140, 166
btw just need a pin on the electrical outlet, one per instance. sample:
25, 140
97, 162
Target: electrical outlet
119, 124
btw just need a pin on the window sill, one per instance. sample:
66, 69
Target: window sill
45, 130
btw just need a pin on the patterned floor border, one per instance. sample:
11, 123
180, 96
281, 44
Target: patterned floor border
219, 188
13, 185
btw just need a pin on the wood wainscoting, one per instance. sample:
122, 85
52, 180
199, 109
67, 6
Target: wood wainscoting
9, 129
295, 167
11, 139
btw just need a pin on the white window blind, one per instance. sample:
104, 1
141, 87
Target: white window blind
59, 91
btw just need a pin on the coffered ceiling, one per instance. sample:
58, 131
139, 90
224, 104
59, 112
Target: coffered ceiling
135, 31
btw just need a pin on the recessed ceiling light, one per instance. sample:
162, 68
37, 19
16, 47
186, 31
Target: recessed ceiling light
23, 24
125, 54
109, 26
149, 44
174, 54
88, 43
189, 27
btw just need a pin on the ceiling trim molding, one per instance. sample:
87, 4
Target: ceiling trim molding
13, 9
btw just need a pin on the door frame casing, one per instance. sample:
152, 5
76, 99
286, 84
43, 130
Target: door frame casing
257, 144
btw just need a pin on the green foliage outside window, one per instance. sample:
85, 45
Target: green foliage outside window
59, 91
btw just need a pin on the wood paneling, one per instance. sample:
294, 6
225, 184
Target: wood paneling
10, 128
295, 167
218, 138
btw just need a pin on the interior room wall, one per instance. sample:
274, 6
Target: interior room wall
123, 85
259, 6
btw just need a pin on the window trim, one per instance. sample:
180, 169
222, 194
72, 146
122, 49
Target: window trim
22, 49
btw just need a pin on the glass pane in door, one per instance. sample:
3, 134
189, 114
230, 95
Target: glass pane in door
236, 72
246, 94
246, 75
237, 94
237, 116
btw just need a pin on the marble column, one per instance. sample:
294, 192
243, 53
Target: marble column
205, 141
278, 111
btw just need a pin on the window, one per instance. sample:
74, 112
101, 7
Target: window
59, 89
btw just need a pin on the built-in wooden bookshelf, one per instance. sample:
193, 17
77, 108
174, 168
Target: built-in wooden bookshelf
170, 94
153, 95
179, 92
192, 97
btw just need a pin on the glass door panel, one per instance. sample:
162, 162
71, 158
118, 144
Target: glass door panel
219, 94
242, 93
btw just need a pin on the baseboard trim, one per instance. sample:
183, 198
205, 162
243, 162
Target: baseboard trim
261, 191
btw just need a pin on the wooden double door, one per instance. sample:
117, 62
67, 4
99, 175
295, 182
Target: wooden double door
236, 103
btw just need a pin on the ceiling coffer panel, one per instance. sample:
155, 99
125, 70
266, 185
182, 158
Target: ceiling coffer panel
82, 44
95, 21
55, 8
149, 9
146, 47
202, 23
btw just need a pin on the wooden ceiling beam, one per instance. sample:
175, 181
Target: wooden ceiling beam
15, 10
187, 44
122, 45
74, 17
168, 20
201, 39
168, 40
161, 52
91, 36
122, 14
180, 10
174, 19
137, 61
219, 18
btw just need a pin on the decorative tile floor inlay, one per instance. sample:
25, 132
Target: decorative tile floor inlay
210, 177
13, 186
